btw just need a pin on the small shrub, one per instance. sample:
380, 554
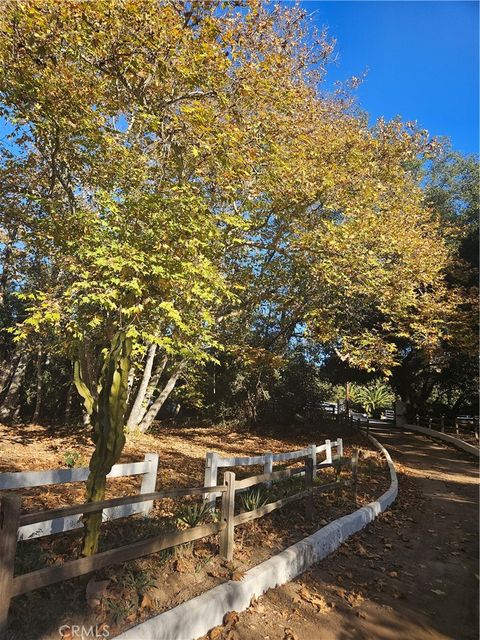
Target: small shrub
138, 581
194, 514
73, 459
291, 485
120, 609
254, 498
30, 557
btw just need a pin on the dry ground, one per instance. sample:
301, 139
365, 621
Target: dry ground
413, 574
147, 586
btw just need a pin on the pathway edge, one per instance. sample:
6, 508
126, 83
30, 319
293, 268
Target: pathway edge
460, 444
194, 618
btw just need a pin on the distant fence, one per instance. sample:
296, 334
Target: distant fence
26, 479
213, 461
12, 520
468, 424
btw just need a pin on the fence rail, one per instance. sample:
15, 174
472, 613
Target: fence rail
140, 504
443, 424
213, 461
93, 507
11, 521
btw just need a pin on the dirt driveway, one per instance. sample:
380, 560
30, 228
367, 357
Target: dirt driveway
411, 575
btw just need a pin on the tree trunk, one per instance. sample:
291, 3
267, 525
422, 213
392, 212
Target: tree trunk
134, 416
39, 372
164, 393
7, 370
68, 404
154, 380
7, 409
95, 492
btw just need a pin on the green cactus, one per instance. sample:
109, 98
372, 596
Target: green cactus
108, 418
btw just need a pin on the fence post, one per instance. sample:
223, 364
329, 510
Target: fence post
355, 474
313, 458
210, 477
442, 423
309, 487
10, 506
338, 472
328, 452
228, 507
430, 423
268, 465
149, 480
417, 419
340, 447
456, 425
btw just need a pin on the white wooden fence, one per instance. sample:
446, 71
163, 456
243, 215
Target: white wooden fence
213, 462
22, 480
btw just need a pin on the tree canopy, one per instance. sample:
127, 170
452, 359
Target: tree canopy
178, 171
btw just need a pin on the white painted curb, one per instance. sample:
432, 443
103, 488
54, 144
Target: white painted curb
196, 617
460, 444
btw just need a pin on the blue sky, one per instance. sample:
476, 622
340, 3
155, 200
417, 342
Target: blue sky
421, 57
422, 61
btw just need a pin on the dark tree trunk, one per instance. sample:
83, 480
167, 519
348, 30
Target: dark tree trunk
39, 385
8, 407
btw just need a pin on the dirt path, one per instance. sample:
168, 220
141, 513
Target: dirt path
411, 575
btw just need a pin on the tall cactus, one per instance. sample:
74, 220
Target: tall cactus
108, 417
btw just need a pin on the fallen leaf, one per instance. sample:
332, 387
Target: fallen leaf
230, 618
146, 601
215, 633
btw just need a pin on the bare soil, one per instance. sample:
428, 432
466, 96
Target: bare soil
126, 595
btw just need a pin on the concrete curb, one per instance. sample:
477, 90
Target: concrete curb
194, 618
460, 444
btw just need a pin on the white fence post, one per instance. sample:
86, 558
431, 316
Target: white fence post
268, 465
328, 452
313, 456
149, 480
211, 467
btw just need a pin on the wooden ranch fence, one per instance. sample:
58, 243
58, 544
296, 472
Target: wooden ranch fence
213, 461
21, 480
11, 520
457, 424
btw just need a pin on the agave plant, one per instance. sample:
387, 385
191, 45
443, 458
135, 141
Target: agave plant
254, 498
194, 514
